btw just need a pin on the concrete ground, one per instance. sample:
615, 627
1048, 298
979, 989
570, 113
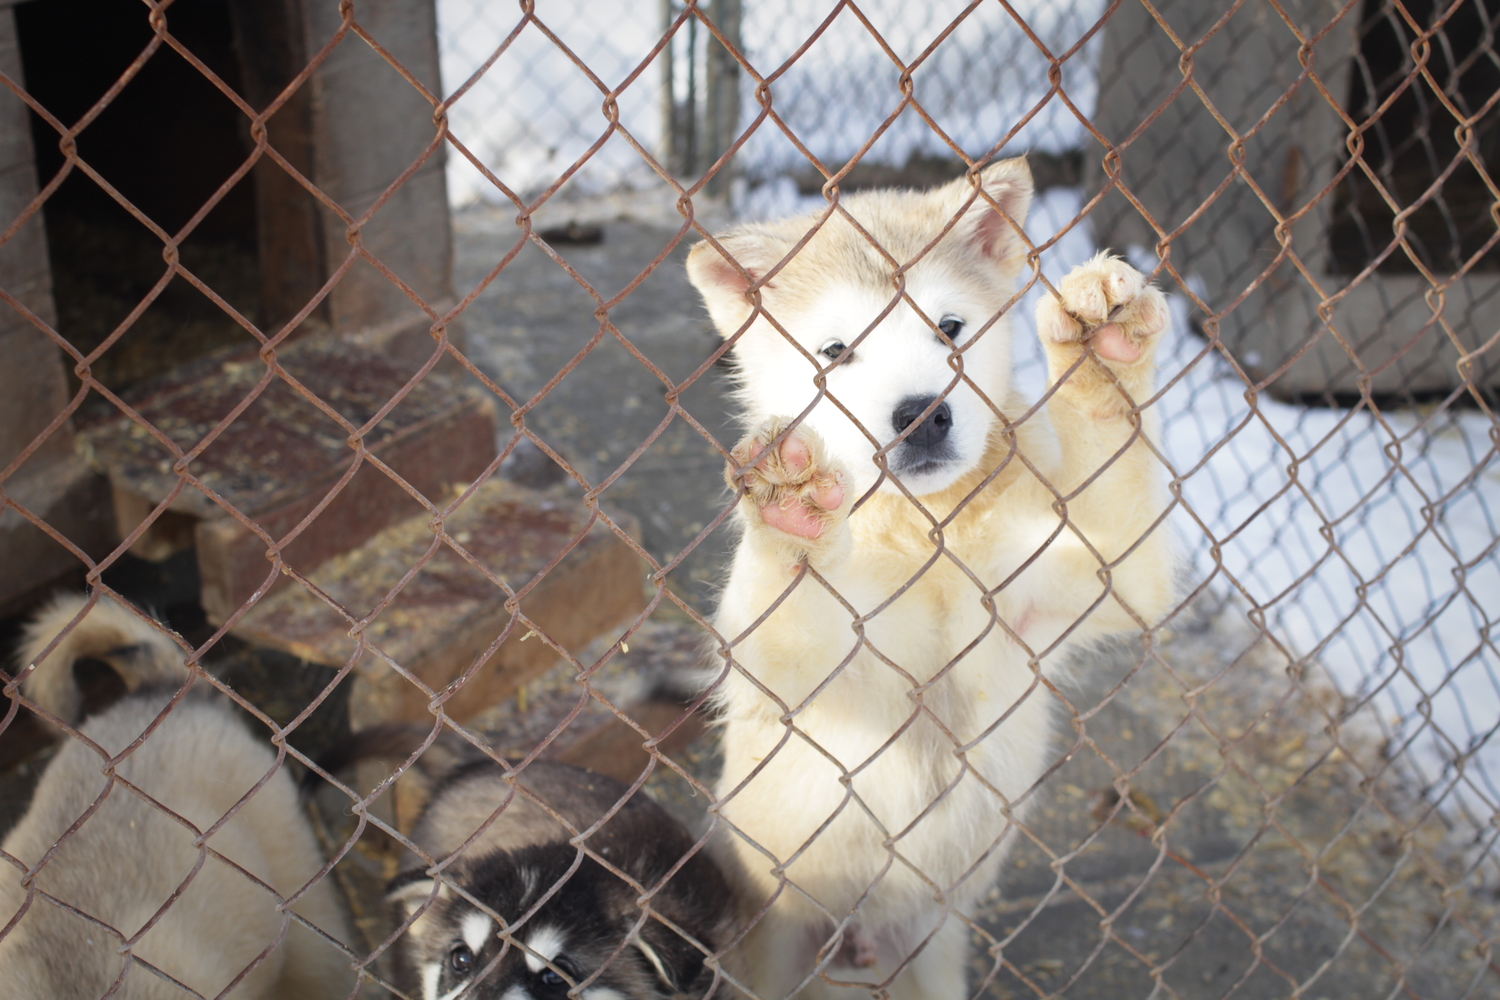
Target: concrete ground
535, 317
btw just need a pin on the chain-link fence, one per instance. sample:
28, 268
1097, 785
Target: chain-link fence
1187, 688
530, 117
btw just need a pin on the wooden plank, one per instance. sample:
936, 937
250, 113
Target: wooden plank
351, 130
74, 500
33, 385
369, 125
450, 612
171, 532
270, 40
281, 447
454, 447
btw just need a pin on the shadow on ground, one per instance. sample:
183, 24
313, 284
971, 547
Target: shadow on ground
535, 319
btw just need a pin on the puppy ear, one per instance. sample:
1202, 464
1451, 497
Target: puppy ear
982, 229
408, 893
723, 280
676, 961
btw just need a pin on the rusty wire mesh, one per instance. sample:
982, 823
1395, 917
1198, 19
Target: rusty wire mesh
1285, 786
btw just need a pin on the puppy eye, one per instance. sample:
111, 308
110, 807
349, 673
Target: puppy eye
951, 326
550, 979
833, 350
461, 959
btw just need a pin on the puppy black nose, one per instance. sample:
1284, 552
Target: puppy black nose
932, 430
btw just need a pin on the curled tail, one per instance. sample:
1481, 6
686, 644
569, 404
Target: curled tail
138, 651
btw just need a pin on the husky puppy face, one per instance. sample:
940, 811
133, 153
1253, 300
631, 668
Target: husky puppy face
896, 313
583, 933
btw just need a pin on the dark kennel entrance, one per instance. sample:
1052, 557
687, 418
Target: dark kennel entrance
166, 143
1415, 139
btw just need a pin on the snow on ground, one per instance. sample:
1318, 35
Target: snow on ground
1370, 541
534, 112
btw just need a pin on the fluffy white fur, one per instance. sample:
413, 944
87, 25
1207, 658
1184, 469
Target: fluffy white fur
877, 754
127, 858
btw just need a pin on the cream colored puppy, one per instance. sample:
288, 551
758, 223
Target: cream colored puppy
887, 721
84, 909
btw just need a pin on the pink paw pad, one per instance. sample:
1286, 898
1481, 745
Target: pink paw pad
1111, 344
796, 517
791, 496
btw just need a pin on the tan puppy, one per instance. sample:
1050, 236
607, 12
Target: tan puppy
83, 925
886, 723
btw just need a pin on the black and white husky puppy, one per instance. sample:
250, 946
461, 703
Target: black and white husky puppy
102, 892
520, 913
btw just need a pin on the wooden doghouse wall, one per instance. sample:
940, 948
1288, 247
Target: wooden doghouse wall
167, 142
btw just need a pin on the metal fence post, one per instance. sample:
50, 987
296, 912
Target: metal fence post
721, 106
679, 125
668, 96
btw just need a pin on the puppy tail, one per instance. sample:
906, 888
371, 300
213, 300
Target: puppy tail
139, 652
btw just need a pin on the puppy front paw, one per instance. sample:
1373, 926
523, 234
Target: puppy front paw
1122, 316
793, 490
